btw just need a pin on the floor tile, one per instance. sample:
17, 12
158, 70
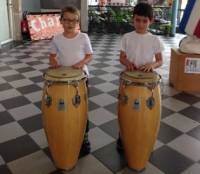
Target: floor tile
5, 86
29, 89
180, 122
111, 128
187, 146
194, 169
149, 169
92, 106
2, 108
24, 111
197, 105
109, 156
100, 116
32, 124
14, 77
102, 140
94, 91
35, 163
4, 95
39, 137
95, 166
10, 131
174, 104
21, 83
103, 99
15, 102
34, 96
109, 77
23, 146
112, 108
167, 133
192, 112
5, 118
169, 161
195, 133
187, 98
166, 112
106, 87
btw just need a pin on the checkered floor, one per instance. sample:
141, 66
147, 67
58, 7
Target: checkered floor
23, 145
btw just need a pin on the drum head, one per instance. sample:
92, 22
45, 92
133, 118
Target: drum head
141, 77
64, 74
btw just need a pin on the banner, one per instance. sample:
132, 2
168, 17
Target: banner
190, 22
44, 26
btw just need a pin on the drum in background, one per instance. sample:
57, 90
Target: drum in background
64, 108
139, 110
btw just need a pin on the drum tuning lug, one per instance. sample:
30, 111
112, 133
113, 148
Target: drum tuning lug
136, 104
48, 100
124, 99
150, 102
61, 105
76, 100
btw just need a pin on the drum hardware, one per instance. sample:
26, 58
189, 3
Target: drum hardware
48, 100
76, 100
61, 105
136, 104
47, 97
123, 98
150, 102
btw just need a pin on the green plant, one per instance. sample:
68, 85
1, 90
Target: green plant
166, 28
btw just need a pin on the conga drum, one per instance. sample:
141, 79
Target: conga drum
139, 110
64, 108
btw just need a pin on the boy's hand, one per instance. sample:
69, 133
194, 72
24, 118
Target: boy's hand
130, 66
146, 68
78, 65
53, 62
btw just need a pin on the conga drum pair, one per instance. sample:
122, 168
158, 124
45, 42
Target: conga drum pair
139, 110
64, 108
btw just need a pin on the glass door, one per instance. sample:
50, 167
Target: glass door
6, 21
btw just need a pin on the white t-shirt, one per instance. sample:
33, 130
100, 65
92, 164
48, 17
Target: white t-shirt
140, 49
71, 50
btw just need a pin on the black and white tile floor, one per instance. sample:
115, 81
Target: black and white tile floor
23, 145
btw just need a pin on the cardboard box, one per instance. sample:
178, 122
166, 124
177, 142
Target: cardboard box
185, 71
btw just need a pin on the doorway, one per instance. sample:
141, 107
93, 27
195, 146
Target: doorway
6, 28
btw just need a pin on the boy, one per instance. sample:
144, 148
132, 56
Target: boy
72, 48
139, 47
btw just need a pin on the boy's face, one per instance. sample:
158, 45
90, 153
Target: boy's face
141, 23
70, 22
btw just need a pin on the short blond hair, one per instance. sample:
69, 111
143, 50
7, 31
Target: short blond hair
70, 9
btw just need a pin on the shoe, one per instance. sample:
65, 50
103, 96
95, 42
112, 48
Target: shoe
85, 148
120, 147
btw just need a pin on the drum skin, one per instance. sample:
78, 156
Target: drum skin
65, 126
138, 127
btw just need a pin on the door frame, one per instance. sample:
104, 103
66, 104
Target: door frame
10, 22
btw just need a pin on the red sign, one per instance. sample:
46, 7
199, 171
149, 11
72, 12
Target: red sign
44, 26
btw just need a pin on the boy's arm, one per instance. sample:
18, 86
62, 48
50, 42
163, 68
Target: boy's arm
86, 60
149, 67
124, 61
53, 61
